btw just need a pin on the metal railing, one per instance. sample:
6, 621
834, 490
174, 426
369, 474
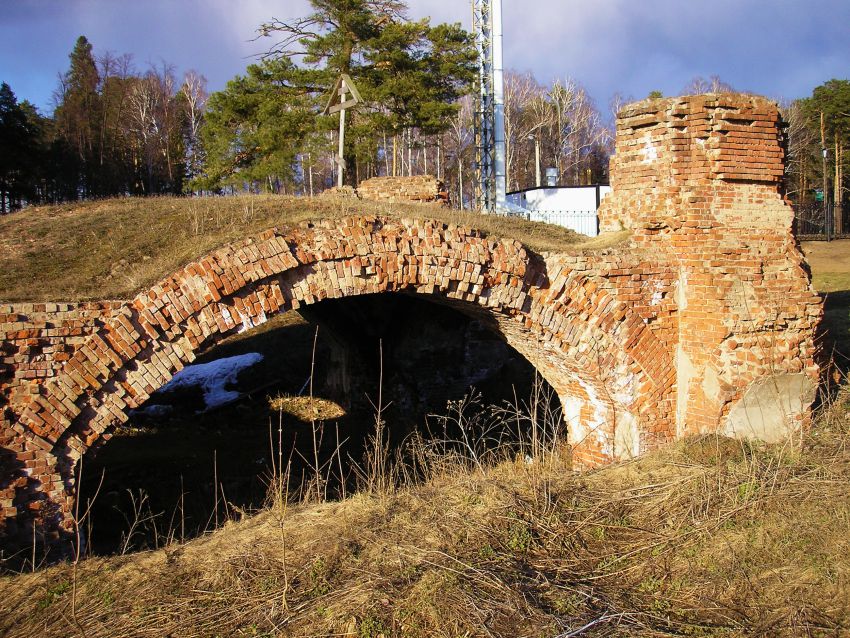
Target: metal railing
818, 222
585, 222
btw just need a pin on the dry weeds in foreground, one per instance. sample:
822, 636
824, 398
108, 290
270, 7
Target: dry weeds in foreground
710, 537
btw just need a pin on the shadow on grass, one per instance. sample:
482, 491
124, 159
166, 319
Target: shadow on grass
834, 331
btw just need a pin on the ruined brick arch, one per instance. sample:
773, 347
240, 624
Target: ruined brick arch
649, 340
601, 358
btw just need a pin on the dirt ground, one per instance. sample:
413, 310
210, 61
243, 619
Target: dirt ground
830, 263
828, 255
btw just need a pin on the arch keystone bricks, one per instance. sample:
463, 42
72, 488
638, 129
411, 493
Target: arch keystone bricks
701, 321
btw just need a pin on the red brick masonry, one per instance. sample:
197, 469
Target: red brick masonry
702, 321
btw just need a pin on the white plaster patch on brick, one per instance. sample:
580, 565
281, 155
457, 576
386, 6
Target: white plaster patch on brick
597, 424
772, 409
624, 390
626, 437
649, 150
248, 323
682, 288
572, 413
684, 373
657, 294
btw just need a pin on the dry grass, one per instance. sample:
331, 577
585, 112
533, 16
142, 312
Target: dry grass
113, 248
307, 409
710, 537
830, 264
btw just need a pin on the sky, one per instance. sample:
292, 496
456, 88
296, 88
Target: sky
777, 48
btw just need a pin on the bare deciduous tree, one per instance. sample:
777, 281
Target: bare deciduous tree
713, 84
528, 113
578, 130
800, 139
194, 93
460, 150
155, 123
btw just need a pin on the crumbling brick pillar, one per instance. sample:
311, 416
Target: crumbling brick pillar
698, 179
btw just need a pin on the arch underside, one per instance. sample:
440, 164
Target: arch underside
609, 394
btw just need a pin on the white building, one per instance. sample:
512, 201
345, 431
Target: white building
569, 206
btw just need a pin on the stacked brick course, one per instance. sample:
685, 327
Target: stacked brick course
418, 188
36, 340
681, 329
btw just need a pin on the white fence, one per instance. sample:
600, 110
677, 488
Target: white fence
568, 206
585, 222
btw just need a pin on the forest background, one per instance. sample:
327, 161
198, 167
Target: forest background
118, 130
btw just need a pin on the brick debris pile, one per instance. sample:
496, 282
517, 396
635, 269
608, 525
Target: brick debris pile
425, 189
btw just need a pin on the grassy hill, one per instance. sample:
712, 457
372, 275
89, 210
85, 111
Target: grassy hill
111, 249
710, 537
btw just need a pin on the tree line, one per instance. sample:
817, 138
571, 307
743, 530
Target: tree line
116, 130
818, 141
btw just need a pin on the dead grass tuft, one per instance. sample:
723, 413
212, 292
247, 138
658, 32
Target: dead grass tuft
307, 409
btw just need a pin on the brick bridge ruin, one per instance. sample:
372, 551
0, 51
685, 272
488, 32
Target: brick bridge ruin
700, 319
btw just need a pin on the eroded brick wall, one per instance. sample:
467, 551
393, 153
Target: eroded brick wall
36, 339
569, 315
697, 180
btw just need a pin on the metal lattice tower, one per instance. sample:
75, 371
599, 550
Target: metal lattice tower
490, 113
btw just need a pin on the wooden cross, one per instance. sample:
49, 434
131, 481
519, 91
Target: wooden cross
343, 86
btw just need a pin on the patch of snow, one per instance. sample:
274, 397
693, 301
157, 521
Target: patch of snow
213, 377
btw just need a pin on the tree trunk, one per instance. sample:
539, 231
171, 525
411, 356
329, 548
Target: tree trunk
825, 174
838, 209
395, 155
460, 182
410, 152
386, 155
837, 183
310, 171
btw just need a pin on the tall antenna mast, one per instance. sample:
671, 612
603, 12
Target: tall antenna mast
490, 114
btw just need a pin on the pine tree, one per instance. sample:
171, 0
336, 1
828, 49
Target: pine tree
410, 76
254, 129
20, 146
77, 115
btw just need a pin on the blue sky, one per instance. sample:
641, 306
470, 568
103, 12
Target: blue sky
778, 48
